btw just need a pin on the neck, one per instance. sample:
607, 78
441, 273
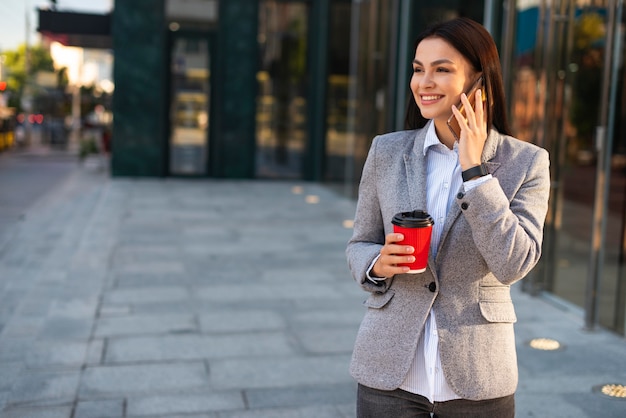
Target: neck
444, 134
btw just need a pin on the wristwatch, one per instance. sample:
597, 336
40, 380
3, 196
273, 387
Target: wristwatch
476, 171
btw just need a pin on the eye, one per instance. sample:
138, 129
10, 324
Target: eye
443, 70
417, 70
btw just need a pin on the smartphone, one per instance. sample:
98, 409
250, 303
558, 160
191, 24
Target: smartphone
453, 124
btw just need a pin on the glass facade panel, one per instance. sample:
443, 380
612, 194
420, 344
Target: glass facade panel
338, 84
369, 88
189, 109
559, 72
281, 119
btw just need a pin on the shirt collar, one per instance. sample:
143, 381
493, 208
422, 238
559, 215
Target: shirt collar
431, 137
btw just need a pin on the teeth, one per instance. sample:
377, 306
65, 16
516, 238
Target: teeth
430, 97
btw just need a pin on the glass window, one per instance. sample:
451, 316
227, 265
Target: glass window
338, 83
189, 109
558, 79
281, 131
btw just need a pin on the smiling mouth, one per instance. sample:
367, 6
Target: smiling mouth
431, 98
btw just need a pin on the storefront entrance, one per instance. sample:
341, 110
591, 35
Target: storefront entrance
189, 104
567, 86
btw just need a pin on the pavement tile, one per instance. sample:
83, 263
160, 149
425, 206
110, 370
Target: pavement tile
22, 327
328, 317
95, 352
8, 375
66, 328
14, 349
152, 267
105, 408
197, 347
145, 324
283, 371
40, 412
241, 320
264, 291
142, 378
147, 295
326, 394
56, 354
327, 340
185, 403
44, 387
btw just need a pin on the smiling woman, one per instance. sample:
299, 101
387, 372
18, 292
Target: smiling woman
447, 331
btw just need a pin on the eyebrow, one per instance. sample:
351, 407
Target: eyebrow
437, 62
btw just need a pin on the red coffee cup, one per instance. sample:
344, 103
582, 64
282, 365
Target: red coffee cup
417, 228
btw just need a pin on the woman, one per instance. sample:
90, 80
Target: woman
442, 341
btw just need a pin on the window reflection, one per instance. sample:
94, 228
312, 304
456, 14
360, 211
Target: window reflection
282, 97
559, 69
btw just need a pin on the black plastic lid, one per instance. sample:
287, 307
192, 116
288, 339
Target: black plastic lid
413, 219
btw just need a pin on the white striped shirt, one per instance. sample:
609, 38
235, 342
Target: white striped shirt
443, 175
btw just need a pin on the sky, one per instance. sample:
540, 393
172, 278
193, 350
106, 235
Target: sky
13, 17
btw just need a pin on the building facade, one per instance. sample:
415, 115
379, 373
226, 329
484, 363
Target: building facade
297, 89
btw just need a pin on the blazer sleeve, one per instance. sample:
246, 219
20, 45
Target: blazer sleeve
368, 235
508, 232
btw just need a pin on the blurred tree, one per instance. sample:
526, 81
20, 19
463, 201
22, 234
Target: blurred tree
15, 67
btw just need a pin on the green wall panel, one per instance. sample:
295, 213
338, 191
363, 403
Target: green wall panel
139, 102
233, 147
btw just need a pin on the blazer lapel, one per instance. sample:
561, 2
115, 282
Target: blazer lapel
415, 165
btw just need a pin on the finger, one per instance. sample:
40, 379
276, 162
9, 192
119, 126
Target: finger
393, 237
470, 115
481, 115
393, 249
389, 264
459, 118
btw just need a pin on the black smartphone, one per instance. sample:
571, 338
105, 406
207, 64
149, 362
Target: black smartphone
453, 124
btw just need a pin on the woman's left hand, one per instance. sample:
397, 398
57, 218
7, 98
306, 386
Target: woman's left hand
473, 131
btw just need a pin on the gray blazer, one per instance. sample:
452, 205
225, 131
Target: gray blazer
491, 239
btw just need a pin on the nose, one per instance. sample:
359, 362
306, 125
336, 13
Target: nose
426, 81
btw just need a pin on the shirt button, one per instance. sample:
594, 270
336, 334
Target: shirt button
460, 195
445, 185
464, 205
432, 286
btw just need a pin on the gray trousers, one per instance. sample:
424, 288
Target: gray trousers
375, 403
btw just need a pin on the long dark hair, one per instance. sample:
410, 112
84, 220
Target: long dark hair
473, 41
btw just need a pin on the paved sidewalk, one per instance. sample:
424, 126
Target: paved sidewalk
222, 299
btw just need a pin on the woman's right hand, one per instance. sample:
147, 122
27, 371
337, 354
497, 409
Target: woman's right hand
390, 255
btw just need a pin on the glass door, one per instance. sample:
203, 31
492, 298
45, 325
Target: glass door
281, 133
189, 105
562, 93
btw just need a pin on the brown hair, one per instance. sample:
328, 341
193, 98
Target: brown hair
473, 41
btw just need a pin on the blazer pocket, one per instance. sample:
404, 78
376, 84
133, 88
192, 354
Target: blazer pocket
498, 311
496, 304
379, 300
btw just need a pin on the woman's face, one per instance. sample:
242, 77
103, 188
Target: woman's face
440, 75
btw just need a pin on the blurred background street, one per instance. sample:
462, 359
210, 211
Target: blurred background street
178, 180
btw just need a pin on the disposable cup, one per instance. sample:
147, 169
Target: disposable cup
417, 227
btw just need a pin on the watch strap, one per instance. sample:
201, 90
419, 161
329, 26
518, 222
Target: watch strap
476, 171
